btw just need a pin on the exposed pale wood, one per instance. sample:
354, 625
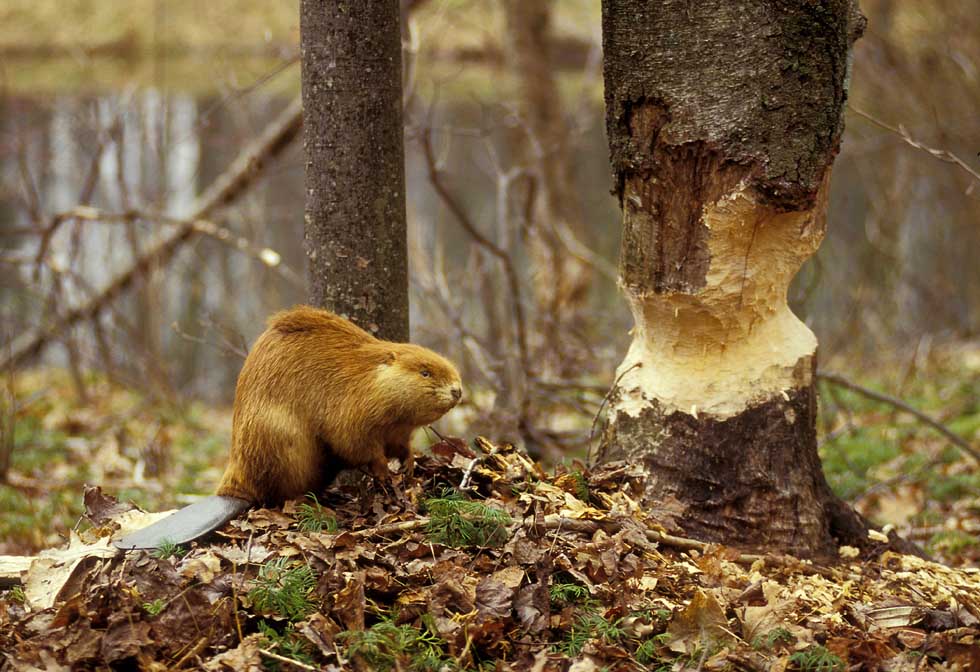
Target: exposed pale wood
723, 119
11, 567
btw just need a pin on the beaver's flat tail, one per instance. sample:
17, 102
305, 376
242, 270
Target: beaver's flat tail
188, 524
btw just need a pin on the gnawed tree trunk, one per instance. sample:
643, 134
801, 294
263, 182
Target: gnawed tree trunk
355, 162
723, 118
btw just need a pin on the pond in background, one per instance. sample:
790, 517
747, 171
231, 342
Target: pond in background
155, 150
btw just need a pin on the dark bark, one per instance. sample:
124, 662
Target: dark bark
760, 82
355, 163
753, 480
723, 119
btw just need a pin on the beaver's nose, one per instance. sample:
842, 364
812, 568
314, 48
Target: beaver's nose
457, 393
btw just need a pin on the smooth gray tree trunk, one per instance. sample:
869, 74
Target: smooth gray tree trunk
355, 162
723, 119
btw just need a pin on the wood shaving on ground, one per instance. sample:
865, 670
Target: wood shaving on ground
520, 571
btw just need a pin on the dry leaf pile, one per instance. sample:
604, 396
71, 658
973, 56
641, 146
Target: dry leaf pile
528, 572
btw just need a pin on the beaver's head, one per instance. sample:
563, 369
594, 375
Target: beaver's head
427, 384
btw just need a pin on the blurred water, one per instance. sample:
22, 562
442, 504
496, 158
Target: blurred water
883, 277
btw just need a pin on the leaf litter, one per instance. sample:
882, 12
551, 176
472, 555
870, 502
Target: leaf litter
519, 570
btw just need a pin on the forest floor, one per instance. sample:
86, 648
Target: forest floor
526, 568
519, 570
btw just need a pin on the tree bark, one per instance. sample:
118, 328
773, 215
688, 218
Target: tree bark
355, 162
723, 119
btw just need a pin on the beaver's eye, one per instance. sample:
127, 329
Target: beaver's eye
425, 373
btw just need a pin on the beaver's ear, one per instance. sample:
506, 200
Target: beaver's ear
390, 357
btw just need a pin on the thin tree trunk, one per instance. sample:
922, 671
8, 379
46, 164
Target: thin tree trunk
562, 280
355, 163
723, 118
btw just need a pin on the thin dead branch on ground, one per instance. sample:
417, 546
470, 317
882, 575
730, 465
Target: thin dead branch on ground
959, 441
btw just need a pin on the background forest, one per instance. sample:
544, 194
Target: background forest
116, 117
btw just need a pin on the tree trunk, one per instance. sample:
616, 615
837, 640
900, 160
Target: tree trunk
355, 162
723, 118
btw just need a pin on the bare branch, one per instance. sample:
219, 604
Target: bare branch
226, 188
267, 256
449, 200
837, 379
941, 154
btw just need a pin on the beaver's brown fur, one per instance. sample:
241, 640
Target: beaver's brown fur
317, 394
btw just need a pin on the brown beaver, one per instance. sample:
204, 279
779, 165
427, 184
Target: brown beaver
317, 394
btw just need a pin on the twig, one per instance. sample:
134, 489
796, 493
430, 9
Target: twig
269, 257
468, 474
382, 530
225, 346
284, 659
191, 652
602, 405
611, 526
960, 442
226, 188
941, 154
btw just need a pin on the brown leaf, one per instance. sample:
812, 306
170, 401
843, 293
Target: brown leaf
243, 658
453, 595
101, 508
493, 599
348, 604
202, 568
867, 651
450, 447
124, 637
320, 631
533, 607
701, 620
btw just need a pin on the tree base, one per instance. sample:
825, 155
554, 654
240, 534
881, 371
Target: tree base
752, 481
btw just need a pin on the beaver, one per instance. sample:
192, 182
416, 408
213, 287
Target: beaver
318, 394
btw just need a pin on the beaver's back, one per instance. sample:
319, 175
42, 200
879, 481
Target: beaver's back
317, 392
307, 357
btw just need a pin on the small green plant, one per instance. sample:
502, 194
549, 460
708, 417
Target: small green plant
314, 518
168, 549
457, 521
648, 652
17, 595
581, 486
287, 643
590, 625
772, 638
817, 659
284, 590
155, 607
568, 593
384, 645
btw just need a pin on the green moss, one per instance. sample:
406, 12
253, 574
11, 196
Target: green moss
952, 542
849, 459
386, 646
817, 659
